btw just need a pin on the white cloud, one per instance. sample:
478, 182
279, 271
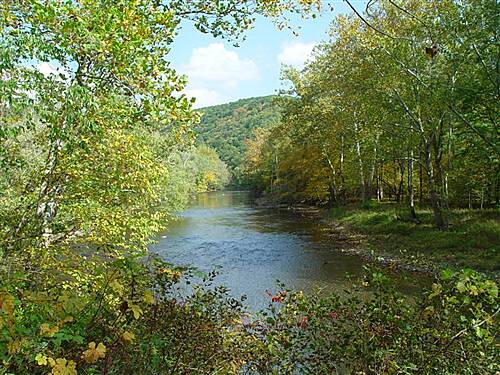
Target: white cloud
296, 54
215, 74
204, 97
216, 64
46, 69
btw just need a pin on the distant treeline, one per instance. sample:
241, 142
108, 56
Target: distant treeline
225, 128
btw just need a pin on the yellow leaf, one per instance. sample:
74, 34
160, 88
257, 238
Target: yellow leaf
117, 287
128, 336
41, 359
7, 303
101, 349
45, 329
14, 346
63, 367
428, 312
148, 297
136, 310
93, 353
173, 274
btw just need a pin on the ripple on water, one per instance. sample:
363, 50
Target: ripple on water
255, 247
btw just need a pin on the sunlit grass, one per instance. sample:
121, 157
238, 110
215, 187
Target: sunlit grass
472, 239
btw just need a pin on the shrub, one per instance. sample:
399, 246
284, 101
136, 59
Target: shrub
449, 330
148, 317
129, 316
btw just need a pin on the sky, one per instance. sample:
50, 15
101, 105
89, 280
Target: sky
220, 73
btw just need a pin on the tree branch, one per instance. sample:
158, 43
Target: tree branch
368, 23
473, 128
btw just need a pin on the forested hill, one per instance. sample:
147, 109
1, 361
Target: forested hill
225, 127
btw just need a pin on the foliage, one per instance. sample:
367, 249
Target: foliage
144, 317
94, 183
90, 83
129, 316
92, 121
450, 330
400, 103
201, 169
95, 155
225, 127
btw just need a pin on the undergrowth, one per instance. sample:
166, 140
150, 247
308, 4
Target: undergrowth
131, 316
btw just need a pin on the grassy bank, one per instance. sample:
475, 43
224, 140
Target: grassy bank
472, 240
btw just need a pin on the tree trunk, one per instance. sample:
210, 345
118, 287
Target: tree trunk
360, 164
448, 166
435, 203
378, 185
411, 200
341, 169
446, 193
439, 174
372, 170
421, 178
333, 185
399, 190
482, 198
50, 190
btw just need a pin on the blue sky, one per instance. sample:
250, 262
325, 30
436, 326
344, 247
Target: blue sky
219, 73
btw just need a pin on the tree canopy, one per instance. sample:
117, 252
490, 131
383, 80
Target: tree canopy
226, 127
95, 139
402, 101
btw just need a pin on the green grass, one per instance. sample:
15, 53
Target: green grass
472, 240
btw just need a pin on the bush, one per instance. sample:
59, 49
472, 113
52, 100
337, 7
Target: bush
129, 316
449, 330
148, 317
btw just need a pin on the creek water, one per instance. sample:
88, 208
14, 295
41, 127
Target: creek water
254, 247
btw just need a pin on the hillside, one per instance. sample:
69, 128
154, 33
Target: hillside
225, 127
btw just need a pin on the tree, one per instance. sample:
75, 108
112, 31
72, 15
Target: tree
399, 90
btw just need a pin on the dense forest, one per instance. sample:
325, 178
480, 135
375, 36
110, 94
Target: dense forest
97, 154
401, 104
226, 127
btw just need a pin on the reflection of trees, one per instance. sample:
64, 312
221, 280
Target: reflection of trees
219, 200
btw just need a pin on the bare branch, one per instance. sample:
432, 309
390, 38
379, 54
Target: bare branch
368, 23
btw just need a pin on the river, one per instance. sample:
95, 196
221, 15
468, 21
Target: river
254, 247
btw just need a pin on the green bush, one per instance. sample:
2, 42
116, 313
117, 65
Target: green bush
139, 317
129, 316
449, 330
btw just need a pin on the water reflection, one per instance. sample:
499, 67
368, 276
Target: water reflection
255, 247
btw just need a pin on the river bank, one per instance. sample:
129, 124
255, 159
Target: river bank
379, 233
